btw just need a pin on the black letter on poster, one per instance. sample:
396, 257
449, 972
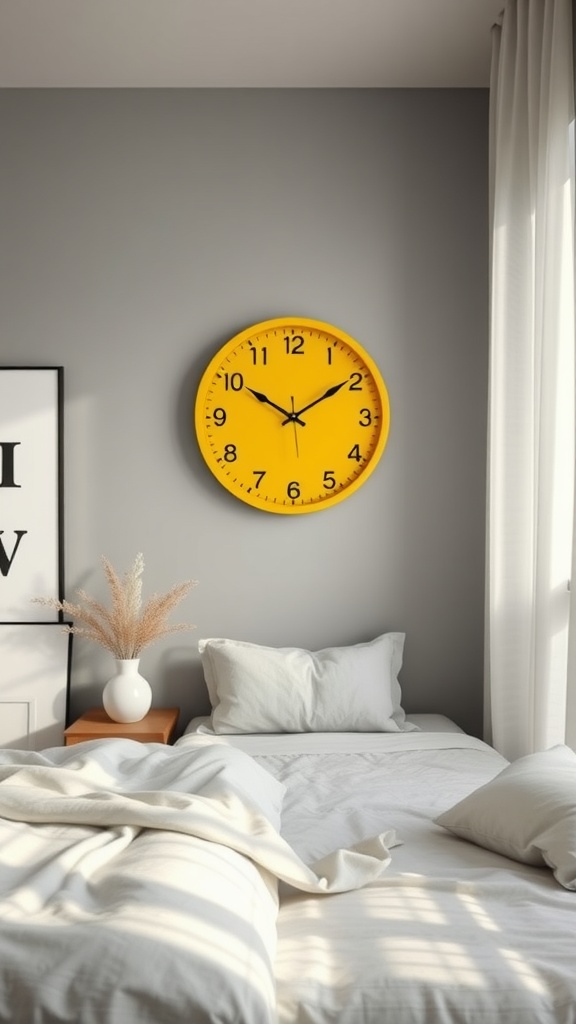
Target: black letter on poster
6, 562
7, 463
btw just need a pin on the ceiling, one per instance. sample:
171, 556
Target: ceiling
246, 43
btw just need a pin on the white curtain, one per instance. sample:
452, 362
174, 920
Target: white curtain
532, 378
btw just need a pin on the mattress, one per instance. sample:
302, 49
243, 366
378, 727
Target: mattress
450, 933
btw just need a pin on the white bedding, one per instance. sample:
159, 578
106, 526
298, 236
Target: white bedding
142, 888
313, 742
138, 883
450, 934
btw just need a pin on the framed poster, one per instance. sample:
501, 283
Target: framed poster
34, 684
31, 500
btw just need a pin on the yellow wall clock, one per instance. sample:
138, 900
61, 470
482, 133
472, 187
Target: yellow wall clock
292, 415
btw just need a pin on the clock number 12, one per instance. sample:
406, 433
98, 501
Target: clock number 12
294, 345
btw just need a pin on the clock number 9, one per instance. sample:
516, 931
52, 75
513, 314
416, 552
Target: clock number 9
293, 489
219, 417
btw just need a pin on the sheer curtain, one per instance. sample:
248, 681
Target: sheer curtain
532, 381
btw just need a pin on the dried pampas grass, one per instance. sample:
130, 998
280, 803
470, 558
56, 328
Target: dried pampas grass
127, 627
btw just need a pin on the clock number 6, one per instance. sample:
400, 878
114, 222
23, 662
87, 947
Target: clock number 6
293, 490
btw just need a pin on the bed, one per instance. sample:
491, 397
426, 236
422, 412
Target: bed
451, 932
304, 876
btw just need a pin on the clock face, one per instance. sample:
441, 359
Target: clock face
292, 415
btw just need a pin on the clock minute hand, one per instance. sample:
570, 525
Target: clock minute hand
292, 417
327, 394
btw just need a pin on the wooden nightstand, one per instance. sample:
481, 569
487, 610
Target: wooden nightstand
157, 727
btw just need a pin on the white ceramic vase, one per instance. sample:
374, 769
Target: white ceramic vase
127, 696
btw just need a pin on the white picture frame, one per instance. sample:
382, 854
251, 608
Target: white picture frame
35, 660
31, 499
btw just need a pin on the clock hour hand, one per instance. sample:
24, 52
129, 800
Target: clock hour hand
327, 394
292, 417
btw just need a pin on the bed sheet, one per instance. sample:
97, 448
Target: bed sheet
451, 933
288, 743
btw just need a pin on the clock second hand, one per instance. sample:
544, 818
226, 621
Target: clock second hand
295, 427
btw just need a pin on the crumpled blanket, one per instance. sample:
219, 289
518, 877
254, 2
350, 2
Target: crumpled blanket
138, 884
214, 806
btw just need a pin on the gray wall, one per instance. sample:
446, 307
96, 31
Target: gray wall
140, 230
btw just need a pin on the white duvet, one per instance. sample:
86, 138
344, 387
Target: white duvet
138, 883
450, 934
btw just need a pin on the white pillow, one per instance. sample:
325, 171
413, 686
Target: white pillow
255, 689
528, 813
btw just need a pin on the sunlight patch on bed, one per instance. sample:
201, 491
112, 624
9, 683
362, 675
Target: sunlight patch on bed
524, 972
198, 939
18, 850
36, 877
440, 963
410, 906
315, 959
417, 960
481, 916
